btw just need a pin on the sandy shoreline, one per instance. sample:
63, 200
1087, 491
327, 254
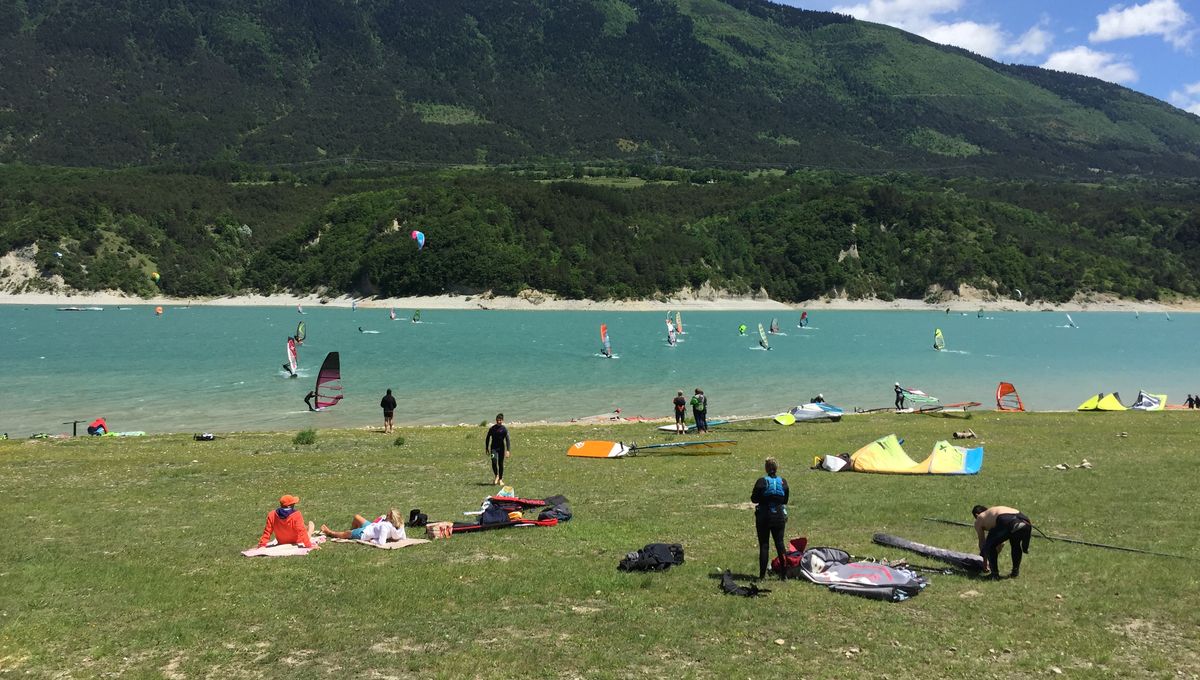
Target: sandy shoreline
549, 303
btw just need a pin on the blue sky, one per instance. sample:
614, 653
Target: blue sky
1147, 45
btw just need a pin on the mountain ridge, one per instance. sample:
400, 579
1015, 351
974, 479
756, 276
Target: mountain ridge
734, 83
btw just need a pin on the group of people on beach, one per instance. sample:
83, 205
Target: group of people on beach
993, 526
287, 526
1192, 402
699, 404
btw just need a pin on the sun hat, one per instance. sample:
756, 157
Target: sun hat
288, 499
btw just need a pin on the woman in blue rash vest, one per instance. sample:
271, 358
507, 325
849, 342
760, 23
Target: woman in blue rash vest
496, 444
770, 513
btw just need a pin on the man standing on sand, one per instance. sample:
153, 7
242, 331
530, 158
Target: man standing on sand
994, 526
497, 444
680, 405
388, 404
700, 410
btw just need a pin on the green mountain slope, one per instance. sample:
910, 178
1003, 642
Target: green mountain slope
687, 82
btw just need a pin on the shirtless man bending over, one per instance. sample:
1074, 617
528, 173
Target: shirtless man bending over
994, 526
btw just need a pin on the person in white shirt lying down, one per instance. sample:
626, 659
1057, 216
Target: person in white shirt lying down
389, 527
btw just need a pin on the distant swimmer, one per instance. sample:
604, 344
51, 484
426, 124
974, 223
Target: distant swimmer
308, 400
742, 329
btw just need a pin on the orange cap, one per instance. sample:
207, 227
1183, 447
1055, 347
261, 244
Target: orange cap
288, 499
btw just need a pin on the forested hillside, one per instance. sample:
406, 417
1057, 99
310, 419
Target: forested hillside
694, 83
794, 237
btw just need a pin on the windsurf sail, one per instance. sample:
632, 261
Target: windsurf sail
605, 449
803, 319
762, 337
1071, 322
301, 332
918, 397
774, 325
1007, 398
939, 341
354, 305
392, 314
291, 354
1168, 316
299, 308
607, 351
679, 323
416, 317
670, 332
329, 382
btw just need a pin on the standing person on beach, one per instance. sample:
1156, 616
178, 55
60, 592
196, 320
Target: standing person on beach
388, 404
770, 497
680, 405
497, 444
899, 396
700, 410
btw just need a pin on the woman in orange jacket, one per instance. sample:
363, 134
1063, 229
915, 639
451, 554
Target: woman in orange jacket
287, 524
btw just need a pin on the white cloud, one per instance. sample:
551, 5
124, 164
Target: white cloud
1088, 62
923, 17
1033, 42
985, 39
1158, 17
1188, 98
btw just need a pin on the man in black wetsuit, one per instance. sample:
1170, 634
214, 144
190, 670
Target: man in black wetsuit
496, 444
308, 399
998, 524
899, 396
388, 404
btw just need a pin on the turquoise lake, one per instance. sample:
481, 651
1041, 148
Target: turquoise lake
219, 368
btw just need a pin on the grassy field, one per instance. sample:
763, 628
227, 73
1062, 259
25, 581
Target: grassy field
122, 557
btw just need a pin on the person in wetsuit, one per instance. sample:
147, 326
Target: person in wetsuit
994, 526
680, 405
899, 396
770, 513
700, 410
819, 399
308, 400
497, 444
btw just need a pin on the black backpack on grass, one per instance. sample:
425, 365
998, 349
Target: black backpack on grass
654, 557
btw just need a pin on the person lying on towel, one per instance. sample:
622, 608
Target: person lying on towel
287, 524
389, 527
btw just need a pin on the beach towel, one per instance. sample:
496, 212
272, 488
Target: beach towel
285, 550
391, 545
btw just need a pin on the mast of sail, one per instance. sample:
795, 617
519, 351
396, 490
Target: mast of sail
329, 381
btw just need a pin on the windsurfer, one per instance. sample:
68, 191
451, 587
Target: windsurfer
770, 496
741, 329
680, 406
308, 399
497, 445
290, 372
388, 404
762, 342
899, 396
994, 526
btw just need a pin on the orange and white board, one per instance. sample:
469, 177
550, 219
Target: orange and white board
598, 449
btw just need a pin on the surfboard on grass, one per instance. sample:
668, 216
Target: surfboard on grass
607, 449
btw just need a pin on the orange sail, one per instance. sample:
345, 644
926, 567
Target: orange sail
1007, 398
